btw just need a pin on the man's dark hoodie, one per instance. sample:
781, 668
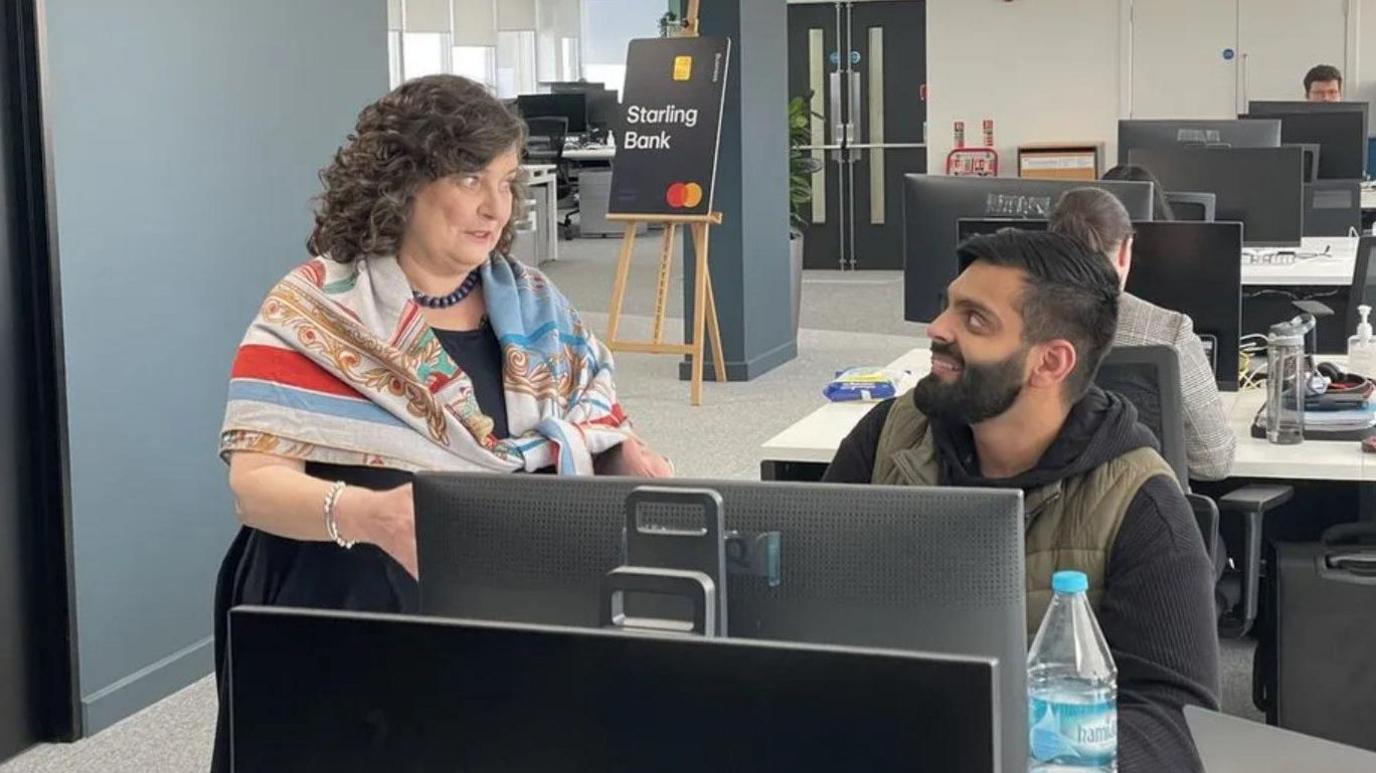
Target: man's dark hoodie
1157, 612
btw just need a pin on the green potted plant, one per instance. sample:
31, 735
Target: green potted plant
801, 167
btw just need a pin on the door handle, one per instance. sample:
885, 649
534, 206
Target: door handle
855, 119
838, 125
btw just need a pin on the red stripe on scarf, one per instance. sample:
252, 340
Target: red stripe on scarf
284, 366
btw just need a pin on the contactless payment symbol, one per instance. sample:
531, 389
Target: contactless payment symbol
683, 68
683, 195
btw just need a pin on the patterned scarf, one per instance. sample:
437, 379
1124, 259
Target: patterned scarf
340, 367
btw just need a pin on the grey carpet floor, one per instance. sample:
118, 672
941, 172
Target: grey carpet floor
720, 439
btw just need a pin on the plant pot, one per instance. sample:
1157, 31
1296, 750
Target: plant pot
795, 276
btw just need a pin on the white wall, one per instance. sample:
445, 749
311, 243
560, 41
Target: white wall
1044, 70
1361, 84
1053, 70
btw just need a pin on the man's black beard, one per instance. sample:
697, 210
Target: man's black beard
980, 392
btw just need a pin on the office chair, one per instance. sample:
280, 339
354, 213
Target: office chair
1332, 207
1149, 377
546, 137
1192, 206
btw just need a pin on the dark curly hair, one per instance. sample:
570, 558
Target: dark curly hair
424, 130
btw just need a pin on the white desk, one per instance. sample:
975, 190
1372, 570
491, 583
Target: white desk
816, 437
1368, 198
1333, 270
590, 153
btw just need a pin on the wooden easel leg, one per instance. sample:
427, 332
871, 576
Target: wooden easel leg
623, 270
666, 265
714, 330
699, 231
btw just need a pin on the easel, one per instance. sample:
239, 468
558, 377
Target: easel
704, 302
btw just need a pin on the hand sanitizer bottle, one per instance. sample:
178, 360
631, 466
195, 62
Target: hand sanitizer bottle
1361, 348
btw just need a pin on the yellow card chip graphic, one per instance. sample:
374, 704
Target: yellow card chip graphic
683, 68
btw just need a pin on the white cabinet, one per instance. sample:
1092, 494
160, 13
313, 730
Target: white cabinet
1207, 58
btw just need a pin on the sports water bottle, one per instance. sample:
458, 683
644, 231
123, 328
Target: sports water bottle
1287, 380
1072, 688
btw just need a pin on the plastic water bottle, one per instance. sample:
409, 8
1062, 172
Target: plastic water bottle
1072, 687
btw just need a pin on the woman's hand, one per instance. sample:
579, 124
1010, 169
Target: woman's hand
634, 459
383, 518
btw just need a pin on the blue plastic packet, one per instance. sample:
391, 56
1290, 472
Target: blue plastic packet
863, 384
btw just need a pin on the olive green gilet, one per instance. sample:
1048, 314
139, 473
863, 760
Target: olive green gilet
1071, 524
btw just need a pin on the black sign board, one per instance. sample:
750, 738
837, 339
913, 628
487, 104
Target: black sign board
666, 155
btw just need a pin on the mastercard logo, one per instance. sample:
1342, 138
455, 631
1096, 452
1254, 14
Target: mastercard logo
683, 195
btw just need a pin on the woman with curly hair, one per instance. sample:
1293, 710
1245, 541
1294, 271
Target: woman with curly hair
411, 341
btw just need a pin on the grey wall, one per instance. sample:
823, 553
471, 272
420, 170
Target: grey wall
749, 250
187, 135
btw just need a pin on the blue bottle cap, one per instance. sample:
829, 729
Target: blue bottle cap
1069, 582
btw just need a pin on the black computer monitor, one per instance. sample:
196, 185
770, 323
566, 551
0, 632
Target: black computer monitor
604, 109
575, 87
1193, 205
315, 690
976, 226
571, 106
1195, 269
1139, 133
1339, 127
933, 205
1332, 207
1192, 268
857, 565
1262, 188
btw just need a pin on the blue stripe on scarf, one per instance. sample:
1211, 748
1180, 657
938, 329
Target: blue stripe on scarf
311, 402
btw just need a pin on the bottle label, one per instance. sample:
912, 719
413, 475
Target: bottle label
1080, 734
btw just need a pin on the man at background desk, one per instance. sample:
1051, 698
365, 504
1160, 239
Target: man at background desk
1323, 83
1010, 403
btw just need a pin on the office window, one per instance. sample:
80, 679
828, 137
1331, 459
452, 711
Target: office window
424, 53
477, 63
516, 73
608, 26
394, 64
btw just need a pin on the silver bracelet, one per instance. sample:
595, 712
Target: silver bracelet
331, 527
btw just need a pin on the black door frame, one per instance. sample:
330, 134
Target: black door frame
25, 97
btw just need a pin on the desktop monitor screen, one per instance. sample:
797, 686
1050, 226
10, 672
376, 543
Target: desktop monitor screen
316, 690
973, 226
1262, 188
933, 205
571, 106
1195, 269
1341, 134
575, 87
857, 565
604, 109
1171, 134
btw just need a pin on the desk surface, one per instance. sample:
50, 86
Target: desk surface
816, 437
590, 153
1331, 270
1232, 745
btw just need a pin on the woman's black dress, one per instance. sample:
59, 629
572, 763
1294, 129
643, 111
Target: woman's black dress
262, 569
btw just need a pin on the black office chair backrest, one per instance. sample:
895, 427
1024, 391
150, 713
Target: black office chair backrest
1149, 378
545, 138
1192, 205
1363, 281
